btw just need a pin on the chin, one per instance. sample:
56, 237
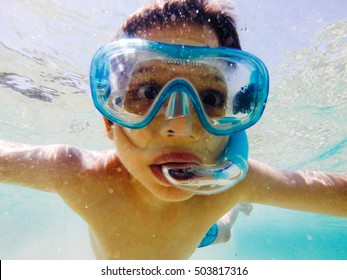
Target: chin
170, 194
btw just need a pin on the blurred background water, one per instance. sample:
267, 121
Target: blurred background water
45, 50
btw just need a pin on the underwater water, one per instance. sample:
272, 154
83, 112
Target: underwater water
45, 51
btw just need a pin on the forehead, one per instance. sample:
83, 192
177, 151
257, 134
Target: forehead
163, 68
182, 34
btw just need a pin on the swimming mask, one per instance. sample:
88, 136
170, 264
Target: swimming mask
134, 80
131, 79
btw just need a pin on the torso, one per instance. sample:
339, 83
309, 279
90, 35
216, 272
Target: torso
125, 226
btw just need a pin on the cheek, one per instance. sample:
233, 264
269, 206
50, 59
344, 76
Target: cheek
214, 144
129, 146
139, 138
213, 147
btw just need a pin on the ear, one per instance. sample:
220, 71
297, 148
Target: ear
108, 125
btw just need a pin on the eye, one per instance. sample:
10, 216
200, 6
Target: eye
212, 97
149, 91
139, 97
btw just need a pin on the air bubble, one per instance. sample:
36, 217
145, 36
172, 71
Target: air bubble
111, 191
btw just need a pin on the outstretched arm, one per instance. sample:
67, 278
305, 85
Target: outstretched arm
39, 167
317, 192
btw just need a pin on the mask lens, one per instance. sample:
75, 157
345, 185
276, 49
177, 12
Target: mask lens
147, 80
244, 101
140, 97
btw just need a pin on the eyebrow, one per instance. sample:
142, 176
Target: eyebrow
146, 69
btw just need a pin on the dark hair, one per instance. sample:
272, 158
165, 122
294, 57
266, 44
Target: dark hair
201, 12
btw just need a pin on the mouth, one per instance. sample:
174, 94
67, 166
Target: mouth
179, 165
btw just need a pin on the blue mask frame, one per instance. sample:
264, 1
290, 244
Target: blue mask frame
256, 91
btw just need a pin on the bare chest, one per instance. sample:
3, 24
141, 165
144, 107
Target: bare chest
141, 235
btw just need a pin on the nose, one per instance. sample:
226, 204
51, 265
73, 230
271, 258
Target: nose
180, 119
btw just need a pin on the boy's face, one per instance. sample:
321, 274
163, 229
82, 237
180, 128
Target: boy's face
179, 141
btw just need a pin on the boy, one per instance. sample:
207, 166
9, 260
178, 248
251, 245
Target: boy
132, 208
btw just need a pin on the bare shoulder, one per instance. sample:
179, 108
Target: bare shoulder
87, 163
92, 182
87, 159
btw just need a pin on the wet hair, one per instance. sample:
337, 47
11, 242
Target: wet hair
169, 13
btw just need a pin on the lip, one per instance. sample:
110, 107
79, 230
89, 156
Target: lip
171, 160
176, 158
